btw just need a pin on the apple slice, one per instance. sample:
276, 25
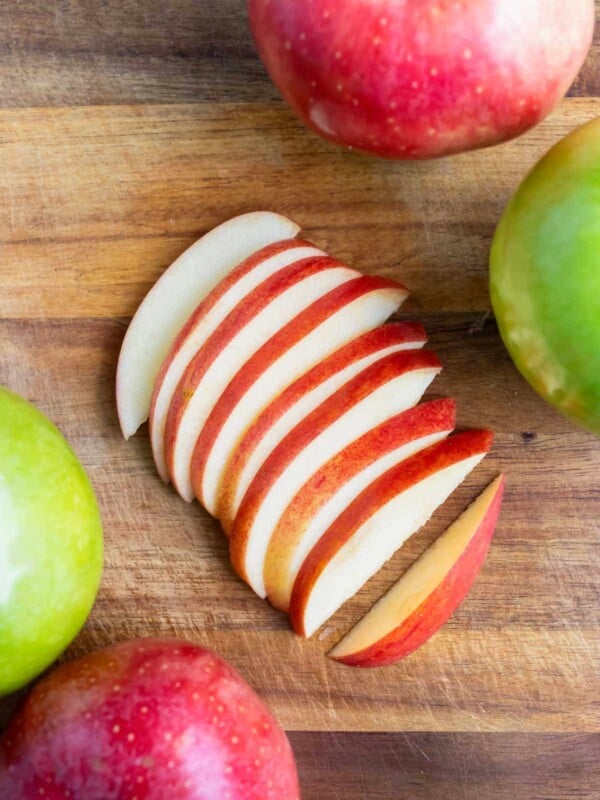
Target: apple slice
377, 523
267, 309
173, 298
332, 320
208, 315
429, 592
338, 482
382, 390
300, 399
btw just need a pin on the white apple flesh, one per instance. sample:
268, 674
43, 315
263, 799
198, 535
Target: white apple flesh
344, 313
174, 296
204, 320
376, 525
429, 592
387, 387
339, 481
252, 323
300, 399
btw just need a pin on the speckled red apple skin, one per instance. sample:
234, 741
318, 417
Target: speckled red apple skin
146, 720
422, 78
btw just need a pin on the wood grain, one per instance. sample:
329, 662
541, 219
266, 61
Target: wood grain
126, 131
523, 652
107, 52
106, 198
440, 766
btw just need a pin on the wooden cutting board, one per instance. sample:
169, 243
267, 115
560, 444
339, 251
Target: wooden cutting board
127, 130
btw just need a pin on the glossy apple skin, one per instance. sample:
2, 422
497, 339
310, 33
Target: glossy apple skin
437, 609
421, 78
545, 276
50, 543
150, 719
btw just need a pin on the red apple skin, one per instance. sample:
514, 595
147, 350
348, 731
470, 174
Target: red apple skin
359, 387
295, 330
212, 298
422, 78
150, 719
241, 315
364, 345
415, 423
437, 609
397, 479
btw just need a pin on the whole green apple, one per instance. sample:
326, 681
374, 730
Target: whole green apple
50, 543
545, 276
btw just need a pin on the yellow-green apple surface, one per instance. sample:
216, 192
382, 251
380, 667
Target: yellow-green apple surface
429, 592
545, 276
50, 543
421, 78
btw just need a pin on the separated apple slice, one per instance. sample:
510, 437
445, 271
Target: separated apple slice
207, 316
300, 399
388, 386
338, 316
338, 482
173, 298
429, 592
377, 523
267, 309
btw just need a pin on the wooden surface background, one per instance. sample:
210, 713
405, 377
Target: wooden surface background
128, 129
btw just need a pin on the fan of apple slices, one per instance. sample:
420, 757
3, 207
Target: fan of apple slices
276, 396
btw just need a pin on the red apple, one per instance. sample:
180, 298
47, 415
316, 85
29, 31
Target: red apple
146, 720
330, 322
338, 482
422, 78
204, 320
377, 523
252, 322
382, 390
429, 592
300, 399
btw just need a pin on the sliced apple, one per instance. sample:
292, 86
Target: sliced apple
265, 310
382, 390
204, 320
429, 592
377, 523
339, 481
340, 315
300, 399
173, 298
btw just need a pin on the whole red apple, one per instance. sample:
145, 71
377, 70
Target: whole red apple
146, 720
422, 78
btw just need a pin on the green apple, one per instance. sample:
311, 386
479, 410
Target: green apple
545, 276
50, 543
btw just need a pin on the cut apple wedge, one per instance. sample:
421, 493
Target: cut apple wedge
204, 320
339, 481
429, 591
174, 296
388, 386
252, 322
377, 523
301, 398
329, 322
